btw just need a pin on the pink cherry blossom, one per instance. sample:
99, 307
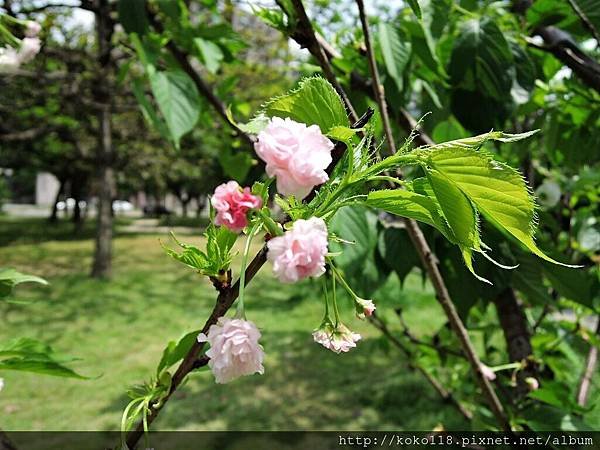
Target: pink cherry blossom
532, 383
232, 204
32, 29
30, 46
337, 339
300, 252
234, 349
295, 154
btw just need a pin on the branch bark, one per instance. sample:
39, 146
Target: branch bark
562, 46
105, 155
588, 373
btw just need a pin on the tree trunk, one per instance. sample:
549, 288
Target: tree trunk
514, 325
106, 177
54, 215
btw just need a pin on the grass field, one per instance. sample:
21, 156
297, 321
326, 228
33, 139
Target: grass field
119, 329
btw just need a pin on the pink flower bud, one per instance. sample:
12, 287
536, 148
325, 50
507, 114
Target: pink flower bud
295, 154
232, 205
300, 252
234, 349
532, 383
29, 48
488, 372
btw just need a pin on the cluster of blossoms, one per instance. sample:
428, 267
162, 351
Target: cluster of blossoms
11, 58
297, 156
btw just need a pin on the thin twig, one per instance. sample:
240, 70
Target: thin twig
377, 86
446, 395
305, 36
588, 373
415, 340
587, 23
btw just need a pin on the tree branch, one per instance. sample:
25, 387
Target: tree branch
585, 20
562, 46
588, 373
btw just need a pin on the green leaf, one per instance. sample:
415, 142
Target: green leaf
132, 15
148, 111
460, 216
411, 205
314, 102
9, 278
414, 5
396, 49
191, 255
357, 260
210, 54
343, 134
497, 190
30, 355
175, 352
481, 59
178, 100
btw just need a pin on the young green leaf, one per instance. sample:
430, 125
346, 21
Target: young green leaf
497, 190
9, 278
314, 102
410, 205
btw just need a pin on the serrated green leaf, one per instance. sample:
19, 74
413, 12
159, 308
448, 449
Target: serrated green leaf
497, 190
460, 216
314, 102
414, 5
481, 59
410, 205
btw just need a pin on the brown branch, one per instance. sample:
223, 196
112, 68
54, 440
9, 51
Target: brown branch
305, 36
430, 261
412, 338
585, 20
446, 395
377, 86
590, 369
562, 46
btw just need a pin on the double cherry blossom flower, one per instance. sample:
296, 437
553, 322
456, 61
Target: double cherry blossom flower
297, 155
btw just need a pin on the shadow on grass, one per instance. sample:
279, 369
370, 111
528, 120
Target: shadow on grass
19, 230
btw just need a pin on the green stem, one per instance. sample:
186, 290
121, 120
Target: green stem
341, 279
272, 228
336, 312
240, 305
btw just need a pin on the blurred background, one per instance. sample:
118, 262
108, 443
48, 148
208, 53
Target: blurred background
100, 160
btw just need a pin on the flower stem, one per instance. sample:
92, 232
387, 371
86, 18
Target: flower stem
240, 304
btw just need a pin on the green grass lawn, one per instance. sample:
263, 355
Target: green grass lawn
119, 329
